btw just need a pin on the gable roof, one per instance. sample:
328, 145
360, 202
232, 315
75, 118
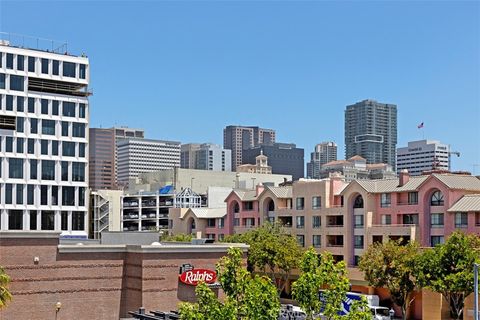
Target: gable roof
281, 192
205, 213
246, 195
459, 182
467, 203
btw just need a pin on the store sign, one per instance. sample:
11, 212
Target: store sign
192, 277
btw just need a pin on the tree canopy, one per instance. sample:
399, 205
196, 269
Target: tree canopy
5, 295
391, 265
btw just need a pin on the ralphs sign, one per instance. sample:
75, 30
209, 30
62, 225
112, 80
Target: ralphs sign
192, 277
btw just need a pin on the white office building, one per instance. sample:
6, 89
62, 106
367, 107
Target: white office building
44, 120
145, 155
423, 155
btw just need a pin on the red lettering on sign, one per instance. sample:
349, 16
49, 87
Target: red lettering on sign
192, 277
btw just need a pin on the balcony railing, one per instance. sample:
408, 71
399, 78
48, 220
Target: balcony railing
408, 203
333, 245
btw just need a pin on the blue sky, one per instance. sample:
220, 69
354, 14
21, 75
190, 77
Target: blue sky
182, 70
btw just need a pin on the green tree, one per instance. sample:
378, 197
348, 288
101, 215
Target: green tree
247, 297
391, 265
5, 295
273, 252
180, 237
321, 272
448, 269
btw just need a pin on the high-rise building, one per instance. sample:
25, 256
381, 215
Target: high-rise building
238, 138
284, 158
371, 131
205, 156
324, 152
44, 119
423, 155
145, 155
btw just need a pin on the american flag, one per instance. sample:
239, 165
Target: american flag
420, 125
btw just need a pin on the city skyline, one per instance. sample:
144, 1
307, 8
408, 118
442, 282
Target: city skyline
206, 60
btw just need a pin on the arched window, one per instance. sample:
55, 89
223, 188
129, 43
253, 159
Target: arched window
358, 202
236, 208
437, 199
193, 224
271, 205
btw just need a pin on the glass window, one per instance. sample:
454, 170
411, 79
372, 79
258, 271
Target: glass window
9, 104
358, 220
64, 129
54, 148
300, 203
358, 242
317, 241
20, 62
33, 220
436, 240
300, 221
68, 149
78, 220
9, 61
8, 193
81, 110
44, 106
64, 220
69, 69
48, 220
33, 169
43, 195
410, 219
56, 67
20, 103
15, 220
437, 199
68, 196
44, 63
78, 130
31, 64
221, 223
48, 127
316, 203
33, 125
2, 80
385, 200
31, 105
436, 220
31, 146
16, 83
20, 127
316, 222
386, 219
81, 150
413, 198
15, 168
68, 109
301, 240
55, 104
211, 223
20, 145
81, 196
19, 193
78, 171
461, 220
31, 194
82, 71
64, 171
48, 170
44, 147
8, 144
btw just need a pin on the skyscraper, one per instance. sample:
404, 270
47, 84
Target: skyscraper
205, 156
238, 138
371, 131
44, 118
324, 152
423, 155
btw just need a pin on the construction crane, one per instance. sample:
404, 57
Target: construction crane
450, 156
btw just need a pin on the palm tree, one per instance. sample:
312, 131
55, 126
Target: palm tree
4, 293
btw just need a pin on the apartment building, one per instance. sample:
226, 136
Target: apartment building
205, 156
356, 168
44, 119
238, 138
323, 153
137, 156
423, 155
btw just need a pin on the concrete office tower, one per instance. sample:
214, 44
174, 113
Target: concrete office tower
44, 119
145, 155
206, 156
103, 170
371, 131
238, 138
423, 155
324, 152
284, 158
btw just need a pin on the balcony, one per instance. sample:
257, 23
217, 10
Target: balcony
334, 221
335, 241
395, 230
